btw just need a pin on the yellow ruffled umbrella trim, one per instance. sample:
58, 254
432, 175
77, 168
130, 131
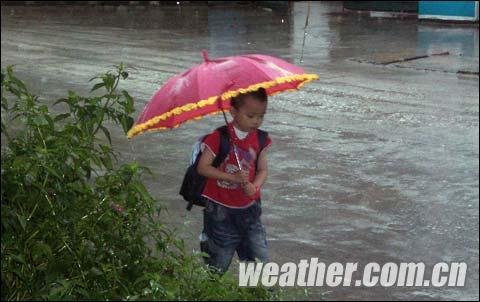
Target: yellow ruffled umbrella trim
145, 126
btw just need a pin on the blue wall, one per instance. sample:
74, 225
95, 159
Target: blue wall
447, 8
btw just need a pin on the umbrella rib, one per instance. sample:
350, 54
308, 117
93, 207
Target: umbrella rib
263, 72
212, 89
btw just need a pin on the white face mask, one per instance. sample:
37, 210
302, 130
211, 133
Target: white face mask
239, 133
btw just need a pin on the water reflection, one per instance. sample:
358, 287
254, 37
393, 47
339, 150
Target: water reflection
370, 163
459, 41
244, 29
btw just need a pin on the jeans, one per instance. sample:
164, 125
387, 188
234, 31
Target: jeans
229, 230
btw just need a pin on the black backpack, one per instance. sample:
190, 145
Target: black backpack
193, 183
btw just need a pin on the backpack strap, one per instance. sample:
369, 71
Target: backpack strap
224, 148
225, 145
262, 141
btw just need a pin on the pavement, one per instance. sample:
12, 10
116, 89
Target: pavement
375, 162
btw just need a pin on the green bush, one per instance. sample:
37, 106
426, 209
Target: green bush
76, 224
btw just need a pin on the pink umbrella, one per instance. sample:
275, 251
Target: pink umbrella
208, 87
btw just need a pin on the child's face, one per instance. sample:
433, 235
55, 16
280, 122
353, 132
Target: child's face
250, 115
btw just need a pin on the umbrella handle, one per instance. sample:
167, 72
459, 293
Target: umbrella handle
231, 142
236, 157
225, 117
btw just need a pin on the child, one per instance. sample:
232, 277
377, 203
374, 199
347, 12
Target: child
232, 212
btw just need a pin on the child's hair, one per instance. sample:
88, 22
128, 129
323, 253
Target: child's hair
260, 94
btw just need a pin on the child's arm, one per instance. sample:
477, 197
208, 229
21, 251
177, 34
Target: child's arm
206, 169
262, 170
260, 177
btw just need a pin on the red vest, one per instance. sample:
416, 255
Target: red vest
227, 193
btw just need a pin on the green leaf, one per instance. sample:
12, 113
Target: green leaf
129, 102
142, 191
40, 120
19, 259
130, 122
19, 83
108, 80
132, 298
107, 133
56, 292
61, 117
50, 121
96, 77
50, 170
22, 220
88, 171
3, 127
126, 122
146, 170
97, 86
42, 250
84, 295
62, 100
96, 271
107, 162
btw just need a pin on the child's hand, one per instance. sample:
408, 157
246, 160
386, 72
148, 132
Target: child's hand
241, 177
249, 189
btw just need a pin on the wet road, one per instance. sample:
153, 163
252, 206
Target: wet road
371, 163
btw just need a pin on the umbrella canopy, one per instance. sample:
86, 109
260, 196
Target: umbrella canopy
208, 87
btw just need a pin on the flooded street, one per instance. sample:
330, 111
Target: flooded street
371, 163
